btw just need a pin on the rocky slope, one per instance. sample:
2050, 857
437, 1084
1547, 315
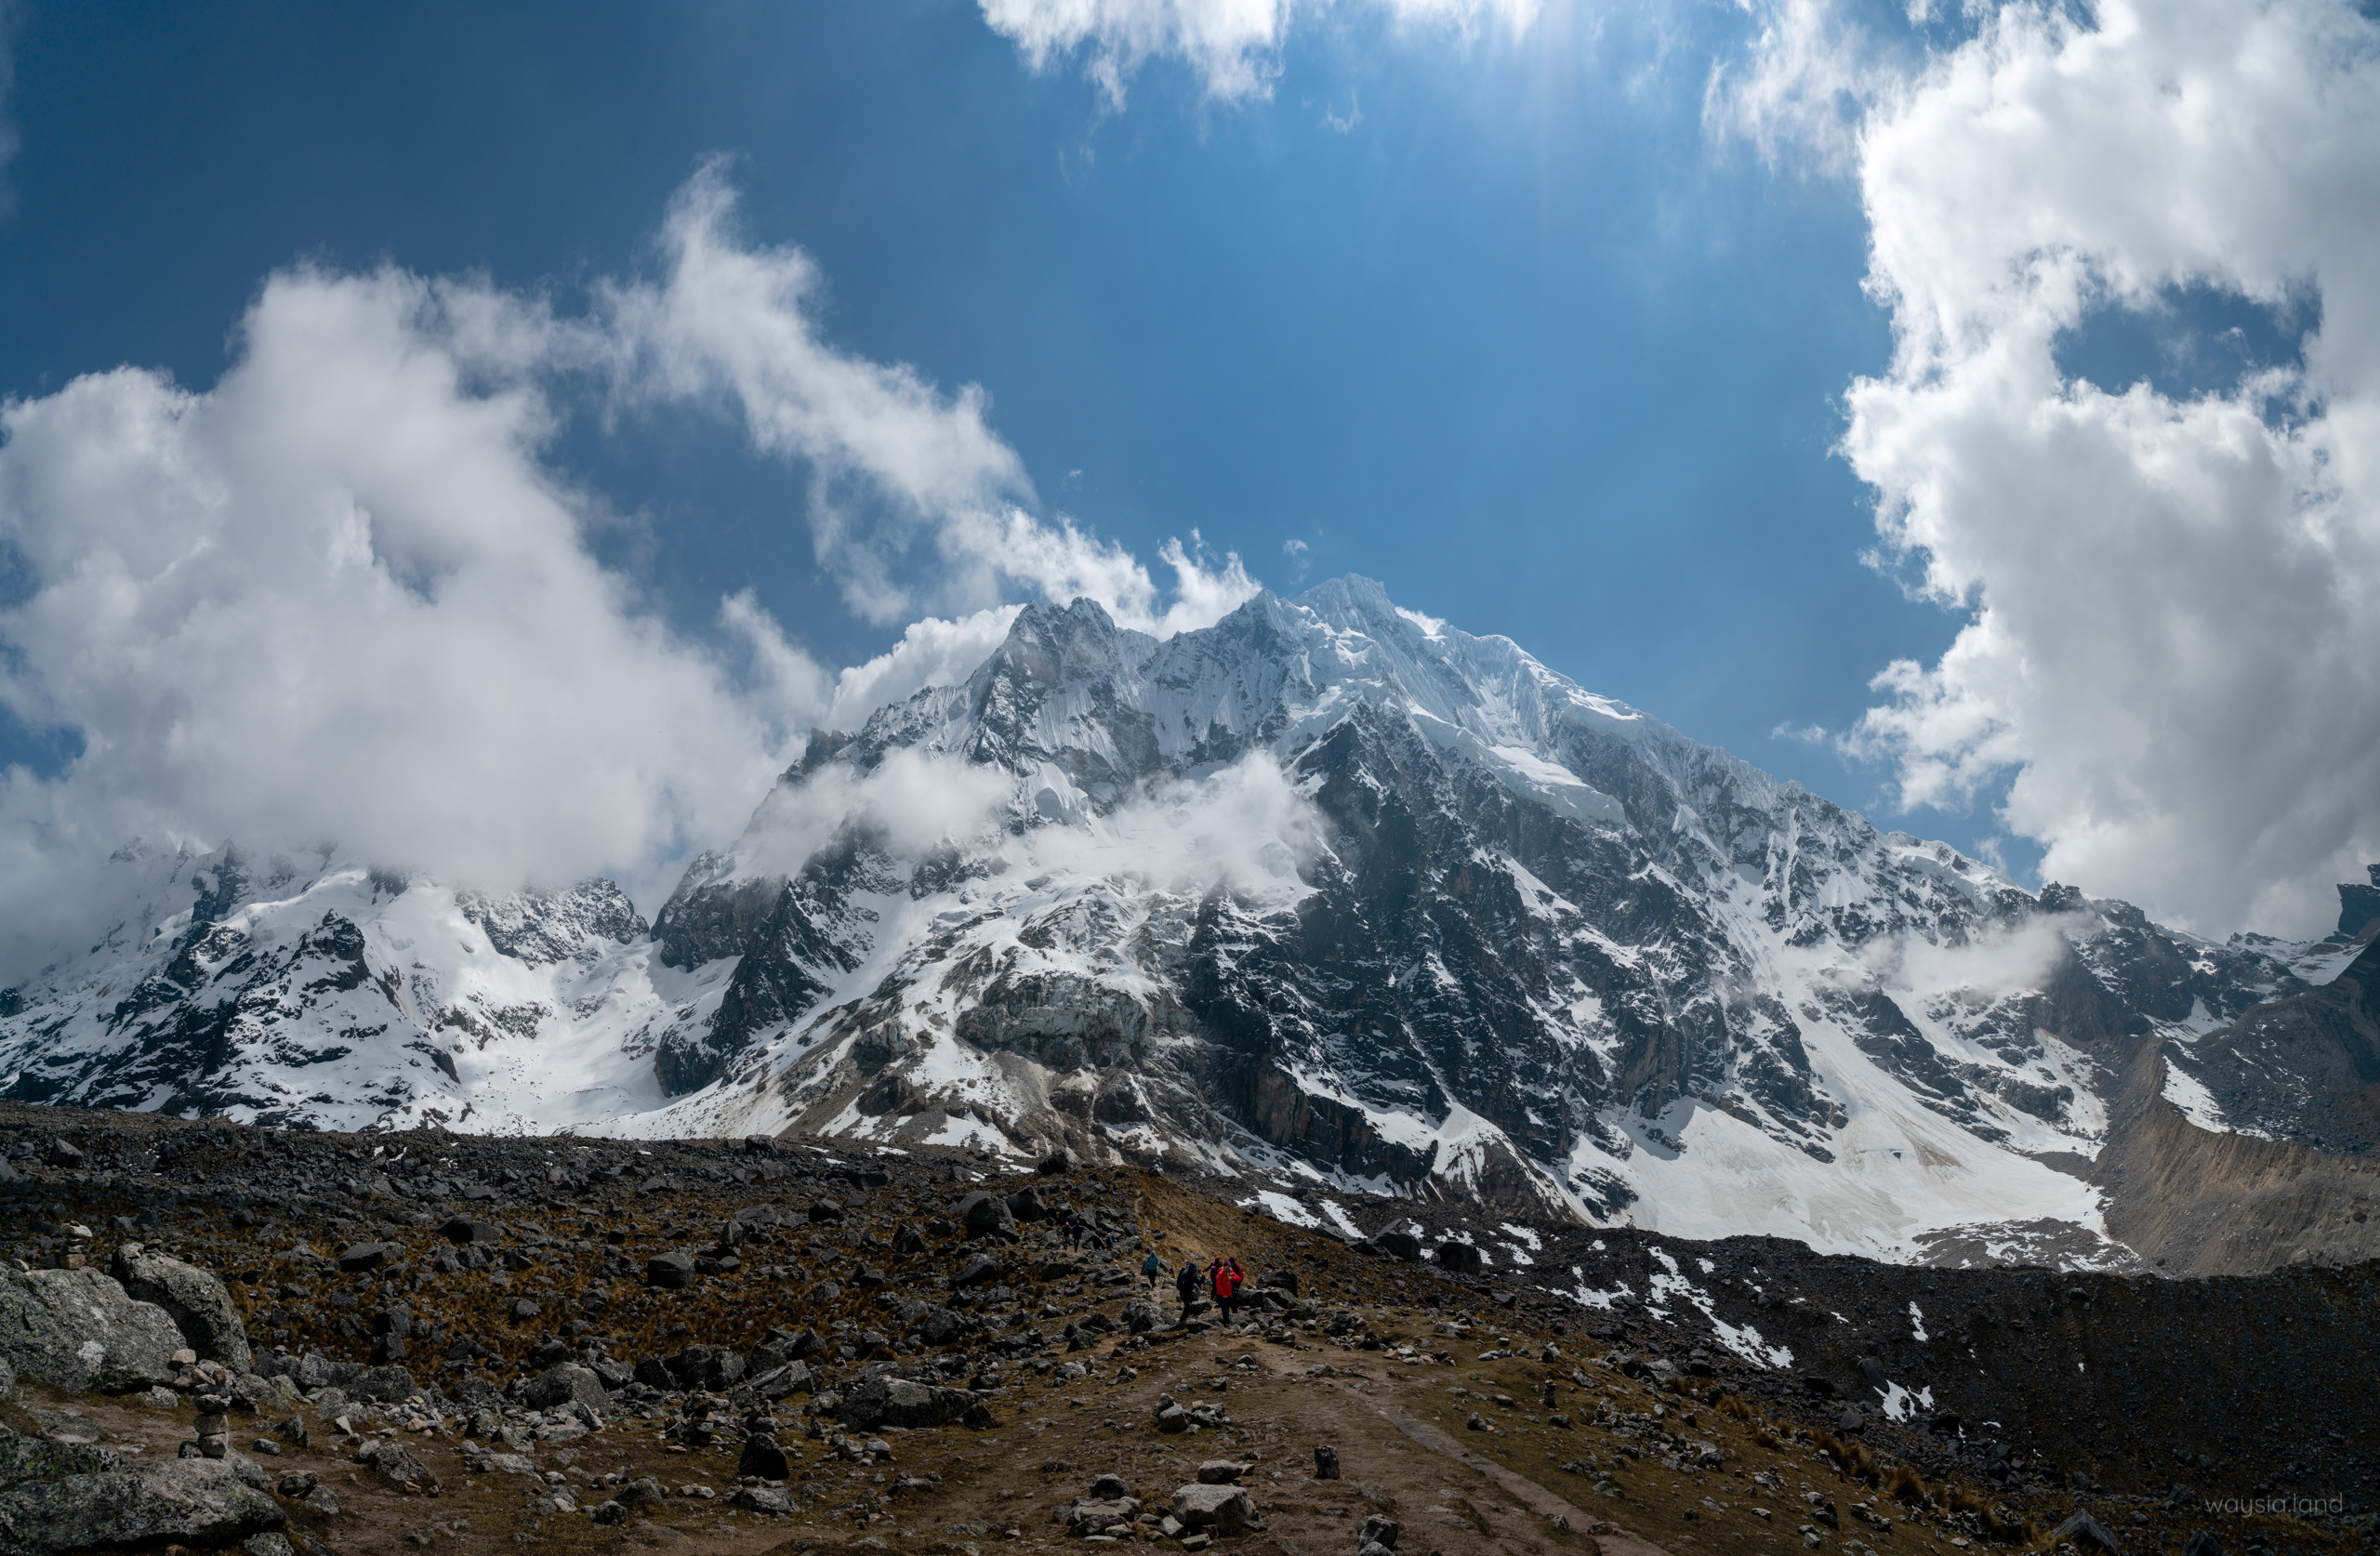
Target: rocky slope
1328, 894
766, 1346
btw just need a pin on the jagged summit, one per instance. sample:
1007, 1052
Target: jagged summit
1329, 893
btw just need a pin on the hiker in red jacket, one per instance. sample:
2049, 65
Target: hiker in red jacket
1226, 1279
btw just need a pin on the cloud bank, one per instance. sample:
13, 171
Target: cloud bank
1233, 46
343, 596
2172, 654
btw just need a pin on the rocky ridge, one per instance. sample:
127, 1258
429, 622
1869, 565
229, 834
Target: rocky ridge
1330, 893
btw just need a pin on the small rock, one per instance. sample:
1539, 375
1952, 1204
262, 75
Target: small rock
1220, 1471
1326, 1462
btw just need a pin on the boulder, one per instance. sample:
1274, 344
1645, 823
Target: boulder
1220, 1510
762, 1500
204, 1503
464, 1233
1026, 1204
898, 1402
1087, 1516
1221, 1472
389, 1384
1460, 1258
1379, 1531
763, 1458
983, 1213
561, 1385
794, 1378
1400, 1246
671, 1270
79, 1330
981, 1270
357, 1257
402, 1469
198, 1303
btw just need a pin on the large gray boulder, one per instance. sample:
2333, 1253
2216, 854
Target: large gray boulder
79, 1330
561, 1385
1222, 1509
897, 1401
200, 1304
57, 1498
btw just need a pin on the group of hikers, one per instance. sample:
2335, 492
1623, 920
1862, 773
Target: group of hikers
1222, 1278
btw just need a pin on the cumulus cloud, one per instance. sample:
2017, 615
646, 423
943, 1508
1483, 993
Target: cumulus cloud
912, 802
344, 596
914, 499
338, 597
1806, 75
2172, 654
1246, 826
1234, 45
934, 652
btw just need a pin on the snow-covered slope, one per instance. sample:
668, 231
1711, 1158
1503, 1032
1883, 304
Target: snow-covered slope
1330, 891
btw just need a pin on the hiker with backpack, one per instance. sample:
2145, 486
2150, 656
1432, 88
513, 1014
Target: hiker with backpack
1226, 1279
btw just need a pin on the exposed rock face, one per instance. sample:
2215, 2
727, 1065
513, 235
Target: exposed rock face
537, 928
1468, 930
196, 1301
1327, 888
56, 1499
78, 1330
2304, 1068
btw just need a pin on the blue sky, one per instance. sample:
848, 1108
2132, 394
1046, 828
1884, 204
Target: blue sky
1513, 315
1523, 342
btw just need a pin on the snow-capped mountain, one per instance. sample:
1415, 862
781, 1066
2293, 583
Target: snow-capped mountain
1329, 893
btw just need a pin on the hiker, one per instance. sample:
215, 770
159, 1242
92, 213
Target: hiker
1151, 1268
1225, 1278
1186, 1283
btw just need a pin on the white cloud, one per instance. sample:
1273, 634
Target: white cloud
912, 800
931, 652
342, 595
2174, 649
1809, 73
912, 493
338, 597
1234, 45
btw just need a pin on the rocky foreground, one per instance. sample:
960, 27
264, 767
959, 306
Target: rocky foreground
226, 1338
